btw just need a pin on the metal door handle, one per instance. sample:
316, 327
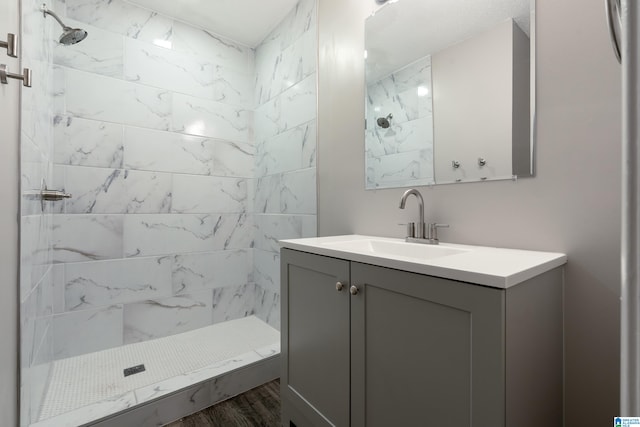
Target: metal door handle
11, 45
5, 74
613, 20
339, 286
353, 290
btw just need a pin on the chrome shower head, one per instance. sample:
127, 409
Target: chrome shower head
72, 36
69, 35
383, 122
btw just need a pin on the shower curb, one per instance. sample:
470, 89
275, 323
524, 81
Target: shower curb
194, 398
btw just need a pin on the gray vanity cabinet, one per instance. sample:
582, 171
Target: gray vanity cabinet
413, 350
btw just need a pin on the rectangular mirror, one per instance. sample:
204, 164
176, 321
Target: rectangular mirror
450, 92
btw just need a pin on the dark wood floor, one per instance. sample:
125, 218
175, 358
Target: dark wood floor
257, 407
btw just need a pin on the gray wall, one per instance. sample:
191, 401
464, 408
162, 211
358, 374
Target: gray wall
572, 205
9, 123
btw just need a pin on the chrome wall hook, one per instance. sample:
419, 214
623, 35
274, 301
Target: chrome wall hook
5, 74
482, 161
455, 164
11, 45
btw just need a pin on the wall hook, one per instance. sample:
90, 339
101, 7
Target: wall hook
482, 161
5, 74
11, 45
455, 164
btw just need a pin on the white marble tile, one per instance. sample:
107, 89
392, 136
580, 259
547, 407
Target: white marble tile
87, 142
35, 251
267, 194
267, 56
300, 20
180, 72
194, 272
208, 194
288, 151
86, 331
96, 284
394, 169
415, 135
233, 231
268, 306
101, 52
215, 370
160, 234
159, 318
87, 237
147, 149
163, 234
295, 106
233, 302
198, 396
266, 269
269, 350
196, 116
89, 413
232, 87
116, 101
297, 62
233, 158
298, 192
58, 288
102, 190
272, 228
123, 18
221, 51
35, 167
309, 226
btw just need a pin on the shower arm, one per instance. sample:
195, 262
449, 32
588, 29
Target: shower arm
46, 12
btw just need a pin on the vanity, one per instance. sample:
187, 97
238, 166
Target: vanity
382, 332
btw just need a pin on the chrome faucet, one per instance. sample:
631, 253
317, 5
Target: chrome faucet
420, 233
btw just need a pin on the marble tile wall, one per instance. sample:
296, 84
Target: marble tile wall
36, 271
188, 157
153, 133
284, 188
405, 149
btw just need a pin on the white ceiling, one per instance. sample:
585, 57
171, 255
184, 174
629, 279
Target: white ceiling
405, 30
244, 21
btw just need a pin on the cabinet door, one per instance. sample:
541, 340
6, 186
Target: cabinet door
315, 339
425, 351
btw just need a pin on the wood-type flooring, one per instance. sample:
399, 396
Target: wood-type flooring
259, 407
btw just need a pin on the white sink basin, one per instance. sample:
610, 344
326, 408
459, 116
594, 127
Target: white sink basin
394, 249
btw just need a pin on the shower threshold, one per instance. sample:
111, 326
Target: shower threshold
182, 374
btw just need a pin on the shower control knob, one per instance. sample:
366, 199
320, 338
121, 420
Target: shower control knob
339, 286
353, 290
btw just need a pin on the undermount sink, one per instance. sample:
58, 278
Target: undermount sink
395, 249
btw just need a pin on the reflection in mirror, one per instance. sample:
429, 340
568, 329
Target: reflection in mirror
448, 92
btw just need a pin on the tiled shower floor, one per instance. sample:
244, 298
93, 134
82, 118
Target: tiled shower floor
92, 386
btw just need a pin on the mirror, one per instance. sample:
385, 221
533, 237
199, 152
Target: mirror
450, 92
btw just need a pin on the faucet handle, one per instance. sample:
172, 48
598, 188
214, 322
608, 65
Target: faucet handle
433, 230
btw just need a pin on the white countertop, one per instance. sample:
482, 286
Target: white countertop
495, 267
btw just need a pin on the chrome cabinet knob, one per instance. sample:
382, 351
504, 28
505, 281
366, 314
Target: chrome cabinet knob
353, 290
339, 286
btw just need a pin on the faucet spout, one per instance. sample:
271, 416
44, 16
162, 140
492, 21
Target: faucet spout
403, 200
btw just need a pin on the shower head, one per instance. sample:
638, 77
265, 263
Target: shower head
69, 35
72, 36
383, 122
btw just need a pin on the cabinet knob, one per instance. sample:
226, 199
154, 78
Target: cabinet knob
339, 286
353, 290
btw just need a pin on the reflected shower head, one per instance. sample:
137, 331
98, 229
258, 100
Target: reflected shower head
69, 35
383, 122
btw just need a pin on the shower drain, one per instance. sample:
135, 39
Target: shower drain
134, 370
